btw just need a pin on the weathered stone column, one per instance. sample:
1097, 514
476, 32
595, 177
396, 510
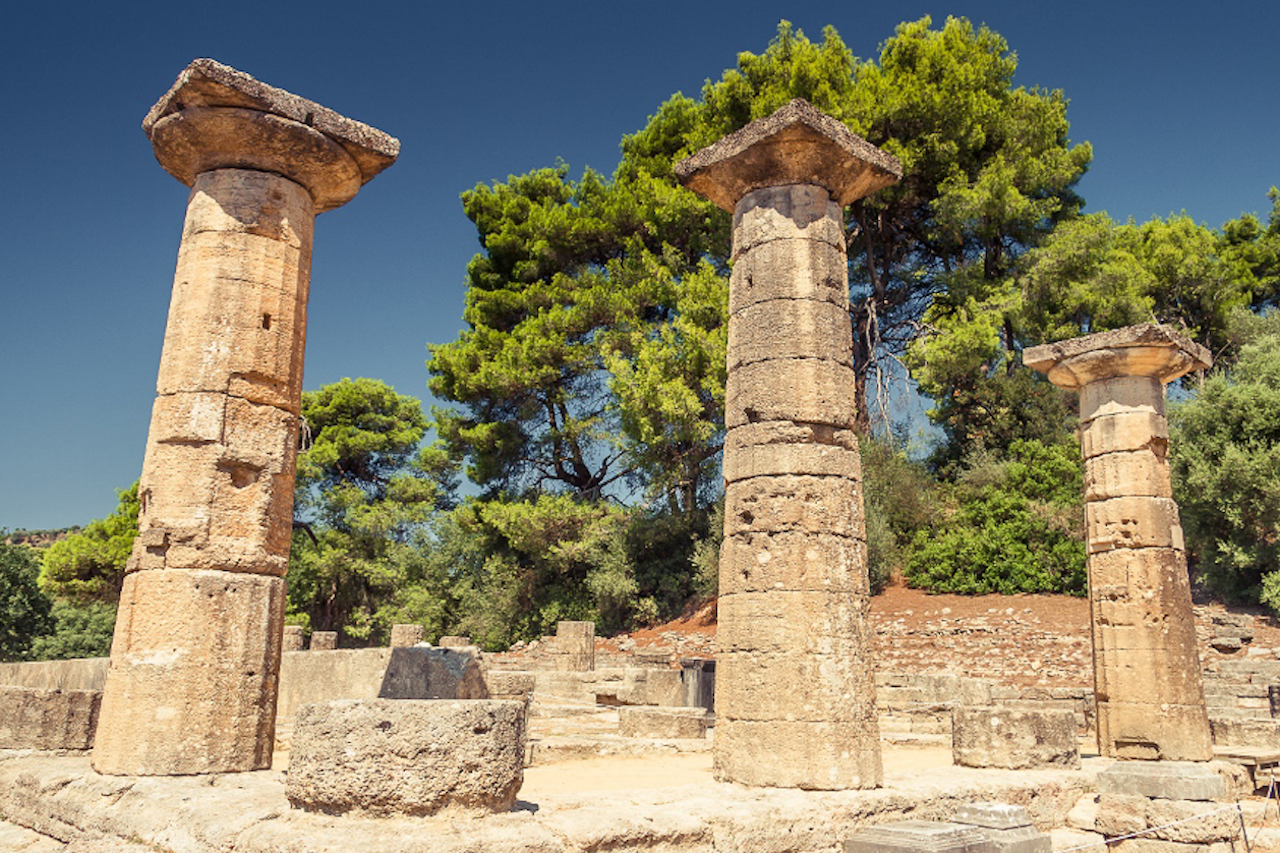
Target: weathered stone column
795, 700
575, 646
192, 681
1145, 663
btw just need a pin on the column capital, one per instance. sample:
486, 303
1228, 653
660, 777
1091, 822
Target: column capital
215, 117
1149, 350
796, 145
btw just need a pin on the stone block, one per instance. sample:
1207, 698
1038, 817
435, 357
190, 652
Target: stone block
423, 672
784, 622
786, 448
510, 685
698, 679
1124, 431
293, 639
790, 268
662, 722
919, 836
1125, 395
32, 718
1141, 586
1230, 731
1133, 473
826, 506
1132, 522
405, 635
1151, 731
230, 203
324, 641
1016, 739
992, 815
795, 213
810, 390
192, 684
809, 755
1170, 780
575, 646
407, 757
793, 561
790, 328
453, 641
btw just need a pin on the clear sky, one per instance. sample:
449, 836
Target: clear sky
1178, 99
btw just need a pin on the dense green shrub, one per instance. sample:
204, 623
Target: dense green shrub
24, 609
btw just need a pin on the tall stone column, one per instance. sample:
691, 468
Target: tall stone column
794, 689
195, 659
1145, 661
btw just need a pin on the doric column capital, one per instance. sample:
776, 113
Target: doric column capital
1148, 350
796, 145
215, 117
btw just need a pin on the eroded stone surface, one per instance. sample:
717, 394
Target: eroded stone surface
405, 635
407, 757
575, 646
1014, 738
662, 722
31, 718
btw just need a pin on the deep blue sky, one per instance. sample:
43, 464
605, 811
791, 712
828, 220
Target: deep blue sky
1179, 103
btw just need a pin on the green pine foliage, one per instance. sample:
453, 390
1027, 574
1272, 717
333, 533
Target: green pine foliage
24, 609
90, 565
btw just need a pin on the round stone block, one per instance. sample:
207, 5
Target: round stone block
790, 328
779, 622
794, 560
1123, 395
407, 757
784, 504
1124, 431
791, 686
1132, 522
806, 390
1136, 473
828, 756
789, 211
790, 269
786, 447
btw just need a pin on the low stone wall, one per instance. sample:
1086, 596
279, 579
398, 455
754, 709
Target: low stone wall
922, 704
82, 674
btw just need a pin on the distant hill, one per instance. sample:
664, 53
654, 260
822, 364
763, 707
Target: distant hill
37, 538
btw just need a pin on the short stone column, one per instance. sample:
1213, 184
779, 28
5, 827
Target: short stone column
795, 700
323, 641
293, 638
1146, 665
195, 660
575, 646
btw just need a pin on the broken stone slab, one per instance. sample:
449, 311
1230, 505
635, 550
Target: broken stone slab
384, 757
1170, 780
662, 722
1014, 738
32, 718
1007, 826
919, 836
1230, 731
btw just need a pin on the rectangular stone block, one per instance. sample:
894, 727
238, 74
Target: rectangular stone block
777, 622
919, 836
795, 504
32, 718
795, 686
785, 447
1135, 522
822, 756
405, 635
194, 670
795, 561
1124, 431
794, 212
407, 757
1123, 395
1151, 732
575, 646
1170, 780
194, 417
1130, 473
790, 328
1014, 738
808, 390
232, 204
662, 722
1151, 578
1231, 731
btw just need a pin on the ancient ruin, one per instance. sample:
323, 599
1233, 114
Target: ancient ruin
196, 654
795, 699
1146, 665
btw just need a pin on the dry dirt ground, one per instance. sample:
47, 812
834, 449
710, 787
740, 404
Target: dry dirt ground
1023, 640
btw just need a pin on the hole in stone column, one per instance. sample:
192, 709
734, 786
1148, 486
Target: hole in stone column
266, 321
746, 517
310, 119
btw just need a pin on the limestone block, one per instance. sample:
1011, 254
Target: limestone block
784, 447
453, 641
193, 674
256, 203
798, 269
1232, 731
1124, 431
830, 688
795, 560
803, 389
795, 504
422, 672
1007, 827
788, 212
812, 755
790, 328
1132, 522
575, 646
32, 718
662, 722
1188, 821
509, 685
1016, 739
405, 635
407, 757
1138, 473
293, 640
324, 641
1149, 731
1154, 579
1170, 780
1121, 396
919, 836
775, 622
